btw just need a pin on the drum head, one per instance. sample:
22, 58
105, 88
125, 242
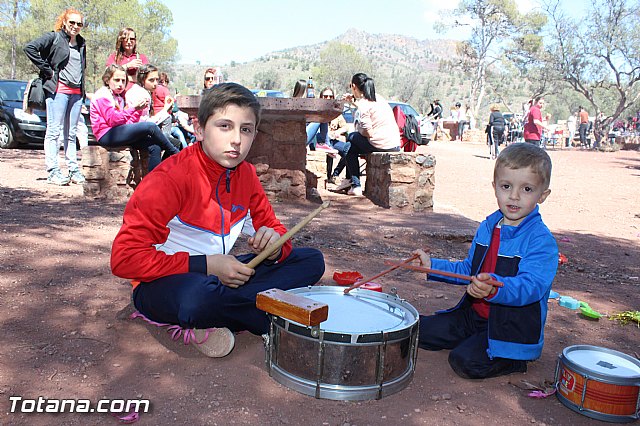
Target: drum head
603, 361
361, 311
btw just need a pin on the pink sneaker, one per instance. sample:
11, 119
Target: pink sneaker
326, 148
213, 342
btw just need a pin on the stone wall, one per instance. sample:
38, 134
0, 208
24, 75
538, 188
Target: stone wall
401, 180
112, 173
279, 156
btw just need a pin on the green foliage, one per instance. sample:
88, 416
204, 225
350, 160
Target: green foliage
338, 63
597, 57
103, 19
268, 80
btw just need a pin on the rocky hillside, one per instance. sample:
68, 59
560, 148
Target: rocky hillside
392, 57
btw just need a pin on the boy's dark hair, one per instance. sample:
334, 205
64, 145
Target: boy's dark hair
221, 95
524, 155
110, 70
143, 72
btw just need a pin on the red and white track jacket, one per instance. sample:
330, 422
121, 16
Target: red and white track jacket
188, 207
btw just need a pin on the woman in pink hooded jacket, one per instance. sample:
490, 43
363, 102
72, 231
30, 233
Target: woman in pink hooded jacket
114, 124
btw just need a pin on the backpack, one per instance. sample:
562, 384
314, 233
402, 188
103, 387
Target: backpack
411, 130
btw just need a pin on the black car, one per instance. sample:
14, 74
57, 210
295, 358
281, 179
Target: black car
18, 127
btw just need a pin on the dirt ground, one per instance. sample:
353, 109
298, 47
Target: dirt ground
65, 333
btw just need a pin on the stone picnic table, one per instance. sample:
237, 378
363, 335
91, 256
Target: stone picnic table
279, 154
279, 151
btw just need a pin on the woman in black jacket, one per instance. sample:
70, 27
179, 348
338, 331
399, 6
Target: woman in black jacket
60, 56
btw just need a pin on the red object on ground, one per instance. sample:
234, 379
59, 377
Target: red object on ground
372, 286
562, 259
346, 277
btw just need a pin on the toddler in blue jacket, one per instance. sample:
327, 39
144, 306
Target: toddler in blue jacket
495, 330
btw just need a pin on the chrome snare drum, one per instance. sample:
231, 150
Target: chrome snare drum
365, 349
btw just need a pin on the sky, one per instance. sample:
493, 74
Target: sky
216, 32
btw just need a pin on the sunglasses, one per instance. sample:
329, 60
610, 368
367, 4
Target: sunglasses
209, 78
326, 96
74, 23
130, 39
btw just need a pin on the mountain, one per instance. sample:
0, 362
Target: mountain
397, 61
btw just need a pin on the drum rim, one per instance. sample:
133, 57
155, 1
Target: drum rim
605, 378
372, 337
616, 418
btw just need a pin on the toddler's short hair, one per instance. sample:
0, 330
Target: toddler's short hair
219, 96
523, 155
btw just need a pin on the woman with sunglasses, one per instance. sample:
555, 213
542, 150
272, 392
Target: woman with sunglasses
127, 55
60, 56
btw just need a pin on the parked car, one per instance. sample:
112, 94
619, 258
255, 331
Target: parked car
17, 127
261, 93
426, 127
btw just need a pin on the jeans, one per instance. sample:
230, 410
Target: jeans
343, 148
197, 300
63, 112
360, 145
144, 134
177, 133
317, 133
584, 127
461, 125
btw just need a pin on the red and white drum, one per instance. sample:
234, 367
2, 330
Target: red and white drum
600, 383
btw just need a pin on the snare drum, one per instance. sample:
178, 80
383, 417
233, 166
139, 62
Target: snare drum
365, 349
600, 383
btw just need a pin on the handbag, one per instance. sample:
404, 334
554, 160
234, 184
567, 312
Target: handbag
35, 96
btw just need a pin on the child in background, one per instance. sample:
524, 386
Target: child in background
495, 331
183, 220
114, 124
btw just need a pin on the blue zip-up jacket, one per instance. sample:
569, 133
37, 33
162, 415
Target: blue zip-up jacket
527, 264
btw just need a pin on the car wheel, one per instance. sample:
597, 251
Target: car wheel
6, 136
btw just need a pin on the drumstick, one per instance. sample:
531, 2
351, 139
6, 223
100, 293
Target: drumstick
445, 273
283, 239
394, 267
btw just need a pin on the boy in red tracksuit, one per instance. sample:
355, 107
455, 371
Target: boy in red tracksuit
184, 218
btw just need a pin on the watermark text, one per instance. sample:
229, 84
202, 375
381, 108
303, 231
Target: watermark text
45, 405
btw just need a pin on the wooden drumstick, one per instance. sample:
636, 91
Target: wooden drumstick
444, 273
394, 267
283, 239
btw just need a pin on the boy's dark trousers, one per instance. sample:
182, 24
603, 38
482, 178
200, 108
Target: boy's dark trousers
465, 333
197, 300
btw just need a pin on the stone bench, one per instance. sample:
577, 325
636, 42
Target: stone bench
400, 180
113, 173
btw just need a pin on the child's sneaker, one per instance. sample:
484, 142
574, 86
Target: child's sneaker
345, 184
355, 191
56, 178
214, 342
76, 177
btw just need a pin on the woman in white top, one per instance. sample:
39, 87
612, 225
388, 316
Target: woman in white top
376, 129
